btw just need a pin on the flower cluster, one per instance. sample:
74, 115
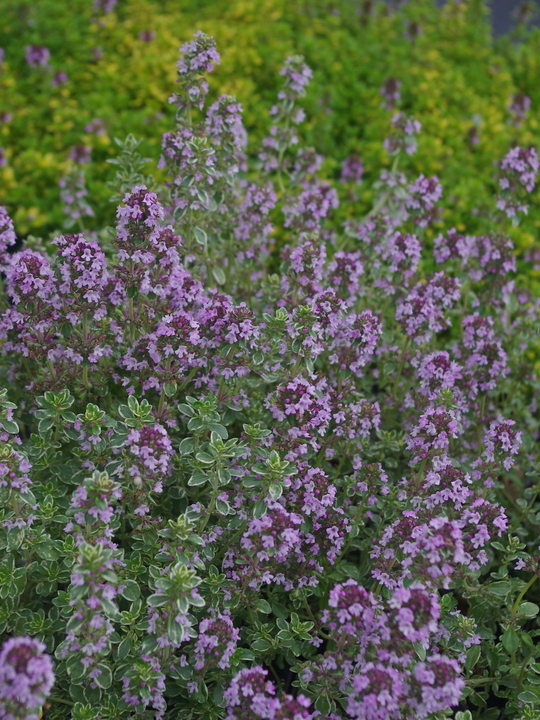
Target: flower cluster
37, 56
519, 170
391, 93
402, 137
26, 678
374, 662
197, 57
230, 408
250, 695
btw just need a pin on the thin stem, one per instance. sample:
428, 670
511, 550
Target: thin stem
314, 621
215, 490
161, 405
515, 606
54, 699
400, 369
480, 419
188, 379
481, 681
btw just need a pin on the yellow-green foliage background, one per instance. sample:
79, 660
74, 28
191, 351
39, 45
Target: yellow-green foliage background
454, 77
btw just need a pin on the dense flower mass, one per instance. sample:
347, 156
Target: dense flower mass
26, 678
261, 457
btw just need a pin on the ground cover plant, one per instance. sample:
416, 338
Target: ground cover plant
74, 77
259, 463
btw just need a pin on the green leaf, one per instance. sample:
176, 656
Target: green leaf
260, 508
528, 609
275, 490
10, 427
261, 645
124, 648
198, 478
75, 668
200, 236
46, 551
221, 430
175, 632
157, 600
223, 507
263, 606
131, 591
510, 640
323, 704
186, 409
104, 679
205, 458
224, 476
500, 588
187, 446
133, 404
219, 276
45, 424
528, 697
169, 388
473, 653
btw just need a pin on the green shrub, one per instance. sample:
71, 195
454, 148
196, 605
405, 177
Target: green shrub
455, 80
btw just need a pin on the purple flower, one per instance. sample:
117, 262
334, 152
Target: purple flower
519, 172
82, 267
216, 642
297, 77
147, 35
59, 78
197, 57
481, 355
80, 154
148, 456
95, 586
26, 678
7, 234
37, 56
518, 109
104, 6
73, 194
96, 126
377, 693
453, 245
503, 440
417, 612
391, 94
144, 686
404, 128
437, 685
423, 195
29, 276
422, 312
224, 122
402, 252
92, 509
253, 222
313, 205
251, 696
352, 170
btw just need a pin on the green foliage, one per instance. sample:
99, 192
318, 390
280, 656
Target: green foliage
455, 80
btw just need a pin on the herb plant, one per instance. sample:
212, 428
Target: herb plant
258, 463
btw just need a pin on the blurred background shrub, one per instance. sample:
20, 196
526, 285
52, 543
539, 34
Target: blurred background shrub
76, 75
